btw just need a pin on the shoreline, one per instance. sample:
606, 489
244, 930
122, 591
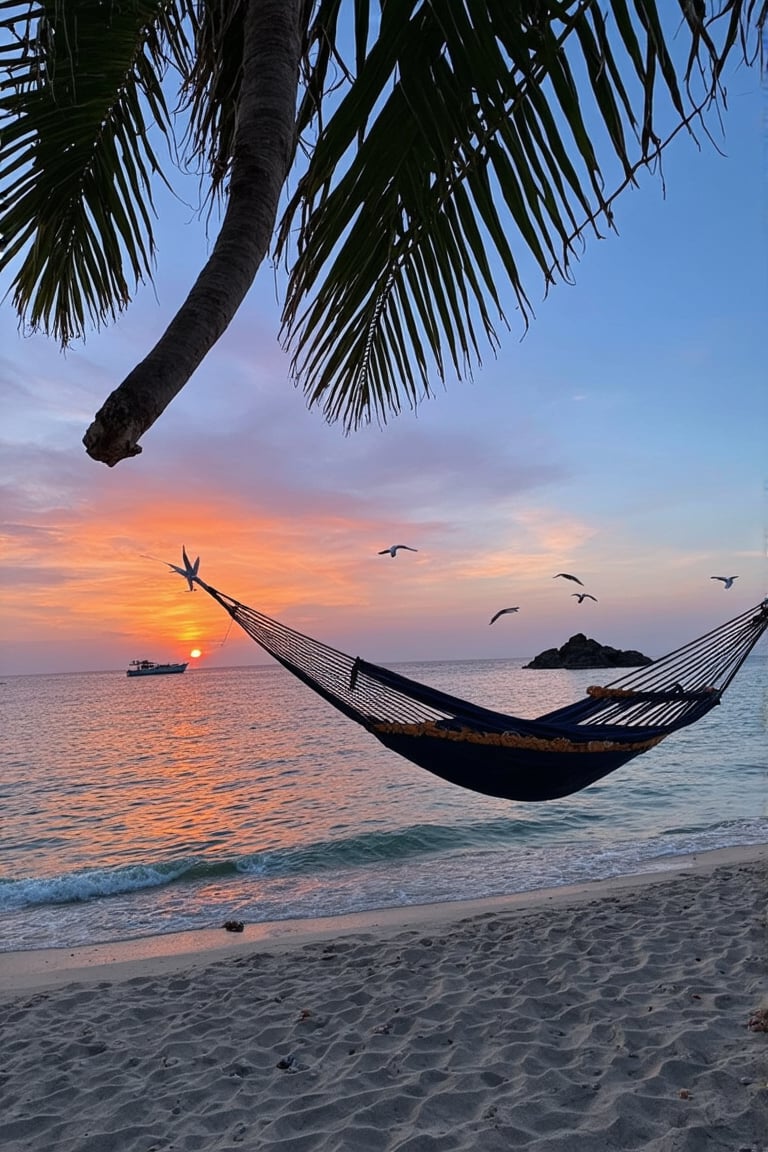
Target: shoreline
48, 968
621, 1016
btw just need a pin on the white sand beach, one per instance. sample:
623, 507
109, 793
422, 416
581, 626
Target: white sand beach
622, 1015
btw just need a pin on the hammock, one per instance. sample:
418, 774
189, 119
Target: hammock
554, 755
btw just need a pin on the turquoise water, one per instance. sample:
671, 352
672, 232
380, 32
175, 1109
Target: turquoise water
140, 807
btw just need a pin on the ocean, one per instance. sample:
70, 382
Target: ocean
138, 807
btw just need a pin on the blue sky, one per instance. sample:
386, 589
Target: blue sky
624, 437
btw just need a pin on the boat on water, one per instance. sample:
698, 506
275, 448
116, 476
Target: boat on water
149, 668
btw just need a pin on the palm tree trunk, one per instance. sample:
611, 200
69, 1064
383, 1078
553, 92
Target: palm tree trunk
262, 154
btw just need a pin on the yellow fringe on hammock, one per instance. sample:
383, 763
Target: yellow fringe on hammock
513, 739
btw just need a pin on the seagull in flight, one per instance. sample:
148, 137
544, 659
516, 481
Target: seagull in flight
727, 580
189, 571
584, 596
567, 576
393, 550
502, 613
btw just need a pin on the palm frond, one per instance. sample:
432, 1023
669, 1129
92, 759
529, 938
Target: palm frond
474, 137
81, 91
211, 89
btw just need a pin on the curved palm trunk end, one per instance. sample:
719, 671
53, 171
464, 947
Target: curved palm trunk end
262, 155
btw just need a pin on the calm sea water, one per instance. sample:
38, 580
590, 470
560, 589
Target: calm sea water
141, 807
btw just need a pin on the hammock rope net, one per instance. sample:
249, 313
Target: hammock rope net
490, 752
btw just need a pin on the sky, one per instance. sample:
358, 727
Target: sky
622, 438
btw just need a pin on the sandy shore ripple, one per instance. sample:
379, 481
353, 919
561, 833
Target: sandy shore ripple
626, 1018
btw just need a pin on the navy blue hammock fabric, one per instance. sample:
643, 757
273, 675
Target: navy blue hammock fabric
554, 755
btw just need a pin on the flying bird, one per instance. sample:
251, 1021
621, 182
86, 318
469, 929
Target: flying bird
584, 596
189, 571
727, 580
393, 550
502, 613
567, 576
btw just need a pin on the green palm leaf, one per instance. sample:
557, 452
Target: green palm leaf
77, 166
475, 137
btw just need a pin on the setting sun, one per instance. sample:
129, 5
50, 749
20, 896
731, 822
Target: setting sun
195, 653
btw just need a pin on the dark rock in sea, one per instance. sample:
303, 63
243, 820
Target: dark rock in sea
581, 652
